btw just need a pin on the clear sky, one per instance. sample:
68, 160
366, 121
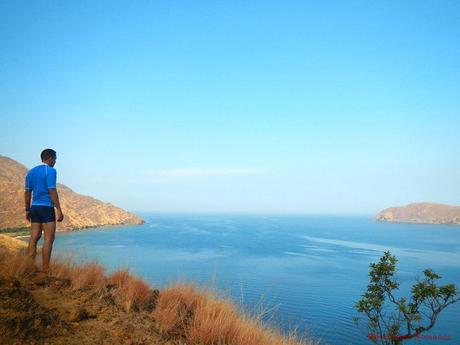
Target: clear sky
237, 106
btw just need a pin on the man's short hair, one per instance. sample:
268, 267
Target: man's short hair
47, 154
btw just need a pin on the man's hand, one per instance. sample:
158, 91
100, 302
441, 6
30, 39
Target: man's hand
60, 215
27, 198
55, 198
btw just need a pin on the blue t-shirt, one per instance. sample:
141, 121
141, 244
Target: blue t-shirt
39, 180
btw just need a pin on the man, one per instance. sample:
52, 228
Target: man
41, 188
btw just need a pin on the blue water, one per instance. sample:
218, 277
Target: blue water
309, 269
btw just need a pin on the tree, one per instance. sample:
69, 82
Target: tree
392, 320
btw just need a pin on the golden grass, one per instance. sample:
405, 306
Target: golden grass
16, 264
130, 292
85, 276
62, 269
174, 309
89, 275
183, 311
203, 319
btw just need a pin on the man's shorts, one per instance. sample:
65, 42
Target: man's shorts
42, 214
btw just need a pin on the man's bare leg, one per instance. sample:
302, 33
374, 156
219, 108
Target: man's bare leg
35, 234
49, 230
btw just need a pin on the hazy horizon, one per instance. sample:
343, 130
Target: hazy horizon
263, 107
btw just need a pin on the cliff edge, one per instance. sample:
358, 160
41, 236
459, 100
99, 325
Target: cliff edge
427, 213
80, 211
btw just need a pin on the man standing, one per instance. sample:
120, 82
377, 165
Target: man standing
41, 188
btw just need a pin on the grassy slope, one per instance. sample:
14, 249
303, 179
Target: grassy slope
79, 304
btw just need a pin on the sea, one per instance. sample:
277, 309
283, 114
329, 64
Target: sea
304, 272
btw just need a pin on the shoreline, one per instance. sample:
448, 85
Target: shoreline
22, 236
415, 222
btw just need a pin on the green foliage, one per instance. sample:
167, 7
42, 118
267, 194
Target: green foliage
392, 320
13, 232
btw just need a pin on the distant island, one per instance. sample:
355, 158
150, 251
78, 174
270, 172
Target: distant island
80, 211
426, 213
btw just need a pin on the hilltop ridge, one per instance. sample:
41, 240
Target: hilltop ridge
80, 211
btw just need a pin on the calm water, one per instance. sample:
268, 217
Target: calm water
310, 269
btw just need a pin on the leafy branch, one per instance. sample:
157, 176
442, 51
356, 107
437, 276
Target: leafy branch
392, 320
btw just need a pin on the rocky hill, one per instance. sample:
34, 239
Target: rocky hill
80, 211
428, 213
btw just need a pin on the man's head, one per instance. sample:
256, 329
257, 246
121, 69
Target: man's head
48, 156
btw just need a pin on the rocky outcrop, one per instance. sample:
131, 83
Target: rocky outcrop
428, 213
80, 211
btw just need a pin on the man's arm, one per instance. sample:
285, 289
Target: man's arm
27, 198
55, 198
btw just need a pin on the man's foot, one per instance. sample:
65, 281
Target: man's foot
40, 278
44, 270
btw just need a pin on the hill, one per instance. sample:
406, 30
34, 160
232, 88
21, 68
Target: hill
80, 211
428, 213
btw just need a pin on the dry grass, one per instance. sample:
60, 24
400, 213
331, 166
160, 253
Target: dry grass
16, 264
90, 275
175, 307
131, 292
201, 318
62, 269
85, 276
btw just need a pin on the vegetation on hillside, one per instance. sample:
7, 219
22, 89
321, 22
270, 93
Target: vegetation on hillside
180, 314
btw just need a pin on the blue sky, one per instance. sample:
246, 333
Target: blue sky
237, 106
